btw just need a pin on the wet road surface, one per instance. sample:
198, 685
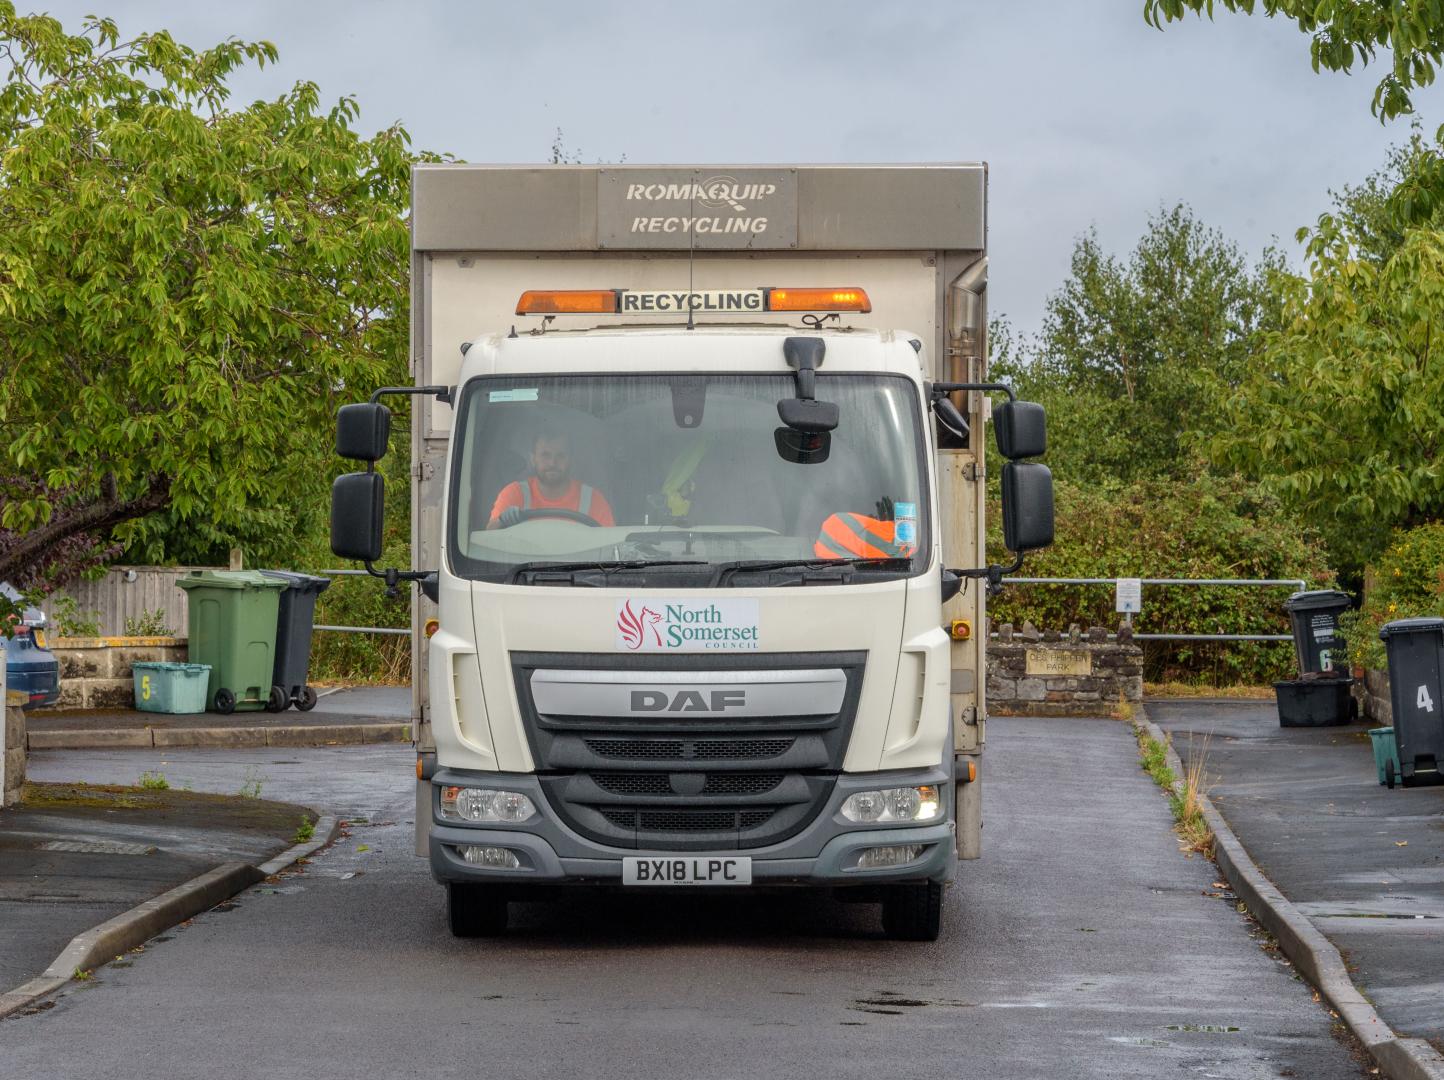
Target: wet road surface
1083, 944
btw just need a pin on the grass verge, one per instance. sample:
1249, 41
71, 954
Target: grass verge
1241, 692
1185, 793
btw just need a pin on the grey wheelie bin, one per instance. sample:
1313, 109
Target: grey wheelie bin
233, 629
1314, 616
296, 617
1416, 664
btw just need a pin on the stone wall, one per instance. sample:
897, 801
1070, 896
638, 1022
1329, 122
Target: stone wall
95, 672
1373, 694
1080, 673
12, 757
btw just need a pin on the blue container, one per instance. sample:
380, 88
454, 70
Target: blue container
170, 688
1386, 752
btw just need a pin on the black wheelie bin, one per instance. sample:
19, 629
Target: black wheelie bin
1416, 664
295, 619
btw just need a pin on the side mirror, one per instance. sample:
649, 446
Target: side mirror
362, 431
1027, 506
1021, 428
954, 424
357, 502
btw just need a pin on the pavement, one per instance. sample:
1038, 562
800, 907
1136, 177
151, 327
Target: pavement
363, 714
1364, 864
1084, 944
73, 857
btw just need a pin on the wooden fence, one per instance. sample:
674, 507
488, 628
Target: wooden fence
129, 592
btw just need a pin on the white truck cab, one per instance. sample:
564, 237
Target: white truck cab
699, 531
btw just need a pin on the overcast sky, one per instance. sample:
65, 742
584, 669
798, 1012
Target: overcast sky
1085, 115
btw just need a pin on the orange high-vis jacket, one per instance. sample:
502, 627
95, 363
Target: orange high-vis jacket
857, 536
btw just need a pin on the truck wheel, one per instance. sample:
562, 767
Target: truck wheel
475, 910
913, 912
306, 699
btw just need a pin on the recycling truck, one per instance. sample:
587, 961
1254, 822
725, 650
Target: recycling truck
698, 487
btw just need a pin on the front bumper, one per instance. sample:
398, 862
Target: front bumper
824, 853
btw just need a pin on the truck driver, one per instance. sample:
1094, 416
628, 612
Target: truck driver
550, 486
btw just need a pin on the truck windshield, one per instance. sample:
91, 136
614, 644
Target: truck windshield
691, 474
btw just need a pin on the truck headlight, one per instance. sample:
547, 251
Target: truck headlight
894, 805
485, 805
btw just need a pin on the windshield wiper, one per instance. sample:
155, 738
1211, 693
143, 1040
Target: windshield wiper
605, 566
722, 572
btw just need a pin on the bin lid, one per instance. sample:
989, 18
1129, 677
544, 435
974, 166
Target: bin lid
299, 581
1317, 598
1428, 624
228, 579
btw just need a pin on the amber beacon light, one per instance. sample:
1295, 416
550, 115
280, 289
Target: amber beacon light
567, 302
818, 300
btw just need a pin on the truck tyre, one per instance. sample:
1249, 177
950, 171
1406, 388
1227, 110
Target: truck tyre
475, 910
913, 912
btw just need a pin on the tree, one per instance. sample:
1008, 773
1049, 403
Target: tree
1344, 31
187, 291
1342, 412
1134, 356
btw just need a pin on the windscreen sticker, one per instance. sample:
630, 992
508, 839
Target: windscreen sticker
662, 625
521, 394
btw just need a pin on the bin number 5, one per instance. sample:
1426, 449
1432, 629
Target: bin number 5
1424, 701
145, 688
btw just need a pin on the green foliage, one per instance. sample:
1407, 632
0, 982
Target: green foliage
148, 624
304, 831
1207, 527
1406, 582
1341, 413
69, 621
187, 292
1343, 31
154, 781
1134, 356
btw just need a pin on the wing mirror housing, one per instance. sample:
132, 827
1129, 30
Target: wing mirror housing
358, 503
1027, 506
363, 431
955, 425
1021, 428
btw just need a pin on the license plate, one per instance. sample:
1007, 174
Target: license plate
687, 870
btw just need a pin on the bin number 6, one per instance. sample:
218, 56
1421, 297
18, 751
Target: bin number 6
1424, 701
145, 688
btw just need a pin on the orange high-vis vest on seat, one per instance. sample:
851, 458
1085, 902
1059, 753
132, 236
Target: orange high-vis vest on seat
857, 536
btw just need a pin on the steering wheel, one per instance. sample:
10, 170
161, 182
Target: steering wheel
558, 512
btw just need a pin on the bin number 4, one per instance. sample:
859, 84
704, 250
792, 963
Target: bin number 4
1424, 701
145, 689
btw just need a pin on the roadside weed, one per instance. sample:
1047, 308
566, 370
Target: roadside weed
154, 781
304, 832
1185, 795
251, 786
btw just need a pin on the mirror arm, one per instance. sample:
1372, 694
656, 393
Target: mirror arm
993, 574
442, 394
943, 389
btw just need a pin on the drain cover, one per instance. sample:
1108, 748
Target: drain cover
97, 847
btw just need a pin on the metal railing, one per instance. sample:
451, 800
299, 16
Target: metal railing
1298, 584
391, 630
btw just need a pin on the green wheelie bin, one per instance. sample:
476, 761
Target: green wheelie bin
233, 629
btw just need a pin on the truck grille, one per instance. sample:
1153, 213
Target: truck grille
666, 782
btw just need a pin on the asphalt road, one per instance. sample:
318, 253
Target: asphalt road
1082, 945
1364, 863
